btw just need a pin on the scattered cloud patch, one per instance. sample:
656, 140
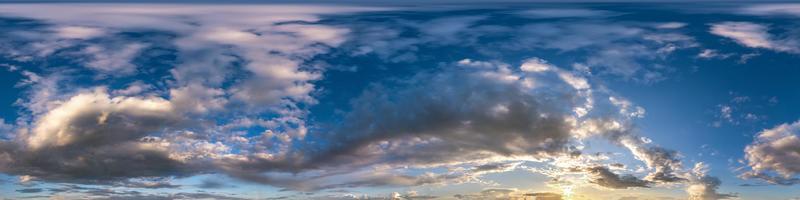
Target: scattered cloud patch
755, 36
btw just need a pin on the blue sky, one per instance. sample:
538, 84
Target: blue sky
392, 101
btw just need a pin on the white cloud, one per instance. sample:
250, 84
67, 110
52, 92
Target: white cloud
671, 25
712, 53
78, 32
114, 62
536, 65
775, 150
704, 187
477, 64
133, 89
626, 107
197, 99
745, 33
754, 35
791, 9
97, 116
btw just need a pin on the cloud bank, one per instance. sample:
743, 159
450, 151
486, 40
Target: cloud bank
233, 89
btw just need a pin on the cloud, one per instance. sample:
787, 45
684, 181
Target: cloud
387, 41
96, 118
664, 161
93, 137
745, 33
78, 32
536, 65
606, 49
711, 53
444, 29
602, 46
665, 164
671, 25
113, 62
790, 9
604, 177
774, 150
754, 35
704, 187
424, 113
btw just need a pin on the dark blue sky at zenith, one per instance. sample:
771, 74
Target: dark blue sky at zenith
383, 100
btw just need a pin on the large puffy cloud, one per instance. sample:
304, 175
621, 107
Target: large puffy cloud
775, 150
92, 136
96, 118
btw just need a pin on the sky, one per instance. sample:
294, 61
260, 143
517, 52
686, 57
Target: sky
441, 100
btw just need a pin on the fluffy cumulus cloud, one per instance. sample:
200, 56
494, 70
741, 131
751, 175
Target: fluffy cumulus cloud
773, 156
92, 136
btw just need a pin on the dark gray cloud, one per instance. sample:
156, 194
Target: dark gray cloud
604, 177
446, 116
92, 137
665, 162
467, 111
